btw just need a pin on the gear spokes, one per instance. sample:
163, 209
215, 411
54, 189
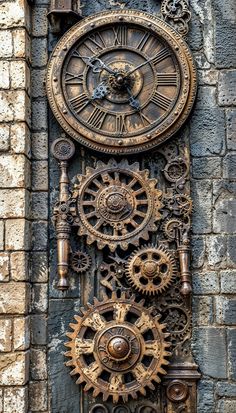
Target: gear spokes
151, 269
117, 348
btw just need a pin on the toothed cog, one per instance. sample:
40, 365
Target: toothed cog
117, 348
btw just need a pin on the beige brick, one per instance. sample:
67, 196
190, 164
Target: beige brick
16, 400
14, 298
2, 235
4, 267
38, 362
19, 264
21, 44
20, 138
17, 234
15, 106
14, 368
5, 335
20, 75
40, 176
4, 74
38, 396
14, 203
14, 171
21, 333
6, 48
4, 137
1, 400
13, 14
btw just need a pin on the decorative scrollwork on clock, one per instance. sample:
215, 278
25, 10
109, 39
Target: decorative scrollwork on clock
117, 348
117, 204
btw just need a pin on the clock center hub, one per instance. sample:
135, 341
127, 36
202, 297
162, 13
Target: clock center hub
118, 348
149, 268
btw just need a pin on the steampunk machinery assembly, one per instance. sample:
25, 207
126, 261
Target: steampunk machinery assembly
121, 84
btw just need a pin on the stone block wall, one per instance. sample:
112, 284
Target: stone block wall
24, 241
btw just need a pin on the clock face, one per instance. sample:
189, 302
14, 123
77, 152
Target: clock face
121, 83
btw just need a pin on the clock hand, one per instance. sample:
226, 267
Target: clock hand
134, 103
97, 64
100, 92
141, 65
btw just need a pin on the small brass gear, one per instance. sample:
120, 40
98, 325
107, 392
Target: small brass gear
80, 261
151, 269
118, 348
117, 204
170, 228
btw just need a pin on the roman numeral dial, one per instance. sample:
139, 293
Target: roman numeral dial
120, 82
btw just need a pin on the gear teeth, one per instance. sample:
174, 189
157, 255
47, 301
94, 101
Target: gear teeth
143, 391
69, 334
80, 380
96, 392
77, 318
73, 372
69, 363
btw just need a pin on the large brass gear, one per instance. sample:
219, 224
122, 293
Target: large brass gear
118, 348
151, 269
117, 204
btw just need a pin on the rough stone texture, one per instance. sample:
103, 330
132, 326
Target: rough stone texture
226, 406
16, 400
4, 267
5, 335
38, 359
21, 328
14, 368
232, 353
38, 396
206, 400
206, 283
14, 298
19, 266
18, 234
227, 94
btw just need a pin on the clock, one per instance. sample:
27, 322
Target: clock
121, 82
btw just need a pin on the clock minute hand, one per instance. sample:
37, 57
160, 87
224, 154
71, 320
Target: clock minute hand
97, 64
141, 65
134, 103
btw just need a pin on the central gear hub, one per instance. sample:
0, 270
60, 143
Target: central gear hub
115, 202
150, 268
119, 348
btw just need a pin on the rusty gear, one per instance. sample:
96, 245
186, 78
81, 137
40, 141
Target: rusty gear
179, 204
170, 228
178, 321
151, 269
117, 204
80, 261
118, 348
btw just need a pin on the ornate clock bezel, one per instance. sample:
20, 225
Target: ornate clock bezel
160, 132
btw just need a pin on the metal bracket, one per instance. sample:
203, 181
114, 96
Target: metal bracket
61, 10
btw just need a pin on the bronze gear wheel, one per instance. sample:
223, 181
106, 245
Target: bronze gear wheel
117, 204
80, 261
171, 227
178, 321
118, 348
151, 269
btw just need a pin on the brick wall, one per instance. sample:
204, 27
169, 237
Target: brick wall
24, 202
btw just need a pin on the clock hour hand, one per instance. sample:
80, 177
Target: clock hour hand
97, 64
134, 103
100, 92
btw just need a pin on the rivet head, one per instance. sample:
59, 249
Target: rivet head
92, 24
149, 136
55, 79
120, 142
149, 24
65, 48
176, 113
120, 18
65, 111
176, 47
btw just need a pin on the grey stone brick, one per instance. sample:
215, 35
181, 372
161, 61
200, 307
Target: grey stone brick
198, 251
231, 128
207, 132
39, 267
226, 406
224, 201
39, 115
195, 38
231, 242
229, 166
39, 329
208, 77
38, 398
206, 402
39, 208
226, 310
39, 176
39, 298
39, 21
209, 347
227, 93
38, 360
39, 52
232, 352
202, 214
225, 33
39, 236
216, 251
206, 167
202, 310
206, 283
38, 83
228, 281
226, 389
40, 145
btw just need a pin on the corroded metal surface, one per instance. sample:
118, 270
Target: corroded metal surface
121, 82
119, 334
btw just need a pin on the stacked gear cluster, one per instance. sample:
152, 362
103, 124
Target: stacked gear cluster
122, 84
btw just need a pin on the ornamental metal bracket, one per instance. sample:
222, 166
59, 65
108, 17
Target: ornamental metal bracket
61, 11
177, 14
